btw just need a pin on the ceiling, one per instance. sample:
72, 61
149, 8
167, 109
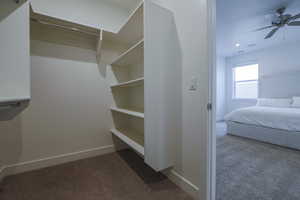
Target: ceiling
125, 4
237, 20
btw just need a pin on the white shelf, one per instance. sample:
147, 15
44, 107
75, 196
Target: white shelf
132, 55
50, 20
56, 31
131, 83
128, 112
132, 138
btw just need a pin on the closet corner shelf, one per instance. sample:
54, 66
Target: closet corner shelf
129, 55
131, 138
136, 13
131, 30
131, 83
128, 112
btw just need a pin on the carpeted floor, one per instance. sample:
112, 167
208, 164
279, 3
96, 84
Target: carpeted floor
117, 176
251, 170
246, 170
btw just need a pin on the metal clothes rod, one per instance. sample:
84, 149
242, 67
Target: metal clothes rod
63, 27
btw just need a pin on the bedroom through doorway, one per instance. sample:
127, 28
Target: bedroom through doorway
257, 100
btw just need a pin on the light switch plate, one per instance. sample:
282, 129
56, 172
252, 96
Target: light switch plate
193, 84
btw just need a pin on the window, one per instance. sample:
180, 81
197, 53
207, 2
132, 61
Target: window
245, 80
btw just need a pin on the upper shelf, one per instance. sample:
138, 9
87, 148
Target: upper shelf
129, 33
132, 30
54, 30
47, 20
131, 56
131, 83
131, 112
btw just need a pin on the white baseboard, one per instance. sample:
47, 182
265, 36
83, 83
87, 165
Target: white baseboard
183, 183
1, 173
53, 160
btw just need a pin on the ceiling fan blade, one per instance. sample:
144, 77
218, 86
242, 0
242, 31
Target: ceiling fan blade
295, 17
297, 23
263, 28
272, 33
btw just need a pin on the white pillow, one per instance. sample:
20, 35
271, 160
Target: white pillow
282, 103
296, 102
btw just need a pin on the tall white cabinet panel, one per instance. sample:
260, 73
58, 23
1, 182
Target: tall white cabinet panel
14, 53
162, 87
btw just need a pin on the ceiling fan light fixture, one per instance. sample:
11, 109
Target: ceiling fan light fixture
237, 45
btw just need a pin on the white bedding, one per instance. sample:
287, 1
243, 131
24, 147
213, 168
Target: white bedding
279, 118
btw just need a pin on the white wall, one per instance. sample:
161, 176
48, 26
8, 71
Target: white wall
275, 61
221, 86
94, 13
69, 111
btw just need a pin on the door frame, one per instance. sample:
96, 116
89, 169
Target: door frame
212, 57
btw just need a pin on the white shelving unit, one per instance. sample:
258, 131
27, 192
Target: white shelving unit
128, 87
145, 83
141, 62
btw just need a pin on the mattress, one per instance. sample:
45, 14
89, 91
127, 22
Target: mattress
271, 117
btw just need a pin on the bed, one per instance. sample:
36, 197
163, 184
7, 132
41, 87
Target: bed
276, 125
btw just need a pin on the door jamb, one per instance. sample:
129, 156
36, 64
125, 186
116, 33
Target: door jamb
211, 34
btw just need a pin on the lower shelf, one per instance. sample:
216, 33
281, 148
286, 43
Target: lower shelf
131, 83
133, 112
132, 138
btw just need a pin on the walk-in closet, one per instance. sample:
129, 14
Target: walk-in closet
92, 101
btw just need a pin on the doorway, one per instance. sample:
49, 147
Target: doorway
255, 71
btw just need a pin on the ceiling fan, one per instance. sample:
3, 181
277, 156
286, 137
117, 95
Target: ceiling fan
280, 21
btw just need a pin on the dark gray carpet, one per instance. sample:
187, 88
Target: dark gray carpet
116, 176
251, 170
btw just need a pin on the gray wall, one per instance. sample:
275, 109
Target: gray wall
221, 86
279, 73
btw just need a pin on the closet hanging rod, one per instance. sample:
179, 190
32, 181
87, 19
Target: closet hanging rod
63, 27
